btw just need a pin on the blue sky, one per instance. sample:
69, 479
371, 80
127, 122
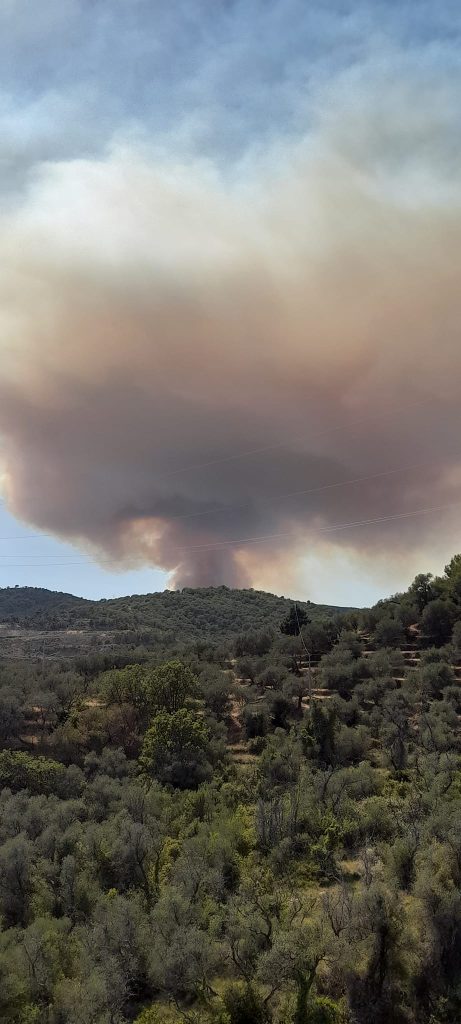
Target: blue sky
31, 559
221, 88
222, 77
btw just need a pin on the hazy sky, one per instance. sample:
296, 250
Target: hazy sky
230, 294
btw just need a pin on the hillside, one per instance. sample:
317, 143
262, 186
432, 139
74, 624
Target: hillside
207, 818
212, 613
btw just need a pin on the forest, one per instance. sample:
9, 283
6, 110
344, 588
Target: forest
245, 810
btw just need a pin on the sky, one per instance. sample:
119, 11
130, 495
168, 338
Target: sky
230, 242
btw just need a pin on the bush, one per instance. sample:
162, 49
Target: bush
245, 1006
389, 633
252, 644
20, 770
257, 745
323, 1011
256, 721
341, 670
456, 637
437, 621
158, 1013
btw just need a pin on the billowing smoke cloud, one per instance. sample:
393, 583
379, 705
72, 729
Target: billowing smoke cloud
208, 372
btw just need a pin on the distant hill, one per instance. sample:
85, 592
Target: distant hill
211, 613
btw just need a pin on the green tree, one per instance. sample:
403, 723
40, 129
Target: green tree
453, 569
389, 633
295, 956
44, 946
437, 621
293, 623
11, 716
16, 879
421, 590
319, 734
21, 770
323, 1011
170, 686
126, 686
176, 749
245, 1006
160, 1013
456, 636
215, 687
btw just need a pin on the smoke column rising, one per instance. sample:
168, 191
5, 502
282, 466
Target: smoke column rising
183, 350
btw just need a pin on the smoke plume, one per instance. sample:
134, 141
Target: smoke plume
212, 373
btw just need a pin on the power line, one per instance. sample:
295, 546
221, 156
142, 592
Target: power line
267, 448
289, 441
29, 536
305, 491
58, 559
321, 488
262, 538
326, 529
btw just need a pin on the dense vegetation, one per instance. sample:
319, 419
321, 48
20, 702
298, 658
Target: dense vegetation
183, 615
263, 827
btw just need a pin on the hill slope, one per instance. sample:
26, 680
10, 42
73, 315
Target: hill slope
205, 613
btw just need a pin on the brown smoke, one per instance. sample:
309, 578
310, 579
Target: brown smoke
181, 357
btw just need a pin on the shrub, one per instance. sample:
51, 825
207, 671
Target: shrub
20, 770
245, 1006
437, 621
323, 1011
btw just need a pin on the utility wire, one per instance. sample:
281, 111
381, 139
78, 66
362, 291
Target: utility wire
271, 500
289, 441
262, 538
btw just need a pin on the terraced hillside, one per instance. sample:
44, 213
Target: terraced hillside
411, 650
253, 823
